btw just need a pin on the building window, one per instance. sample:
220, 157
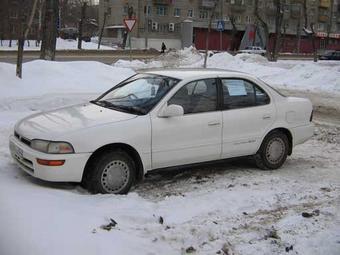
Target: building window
238, 19
161, 10
148, 10
203, 14
321, 26
190, 13
13, 14
177, 12
248, 19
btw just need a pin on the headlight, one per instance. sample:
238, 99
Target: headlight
52, 147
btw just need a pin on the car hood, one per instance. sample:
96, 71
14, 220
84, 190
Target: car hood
52, 124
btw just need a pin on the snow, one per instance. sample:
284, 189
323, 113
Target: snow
289, 74
225, 206
62, 44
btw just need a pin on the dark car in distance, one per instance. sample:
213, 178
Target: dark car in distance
331, 55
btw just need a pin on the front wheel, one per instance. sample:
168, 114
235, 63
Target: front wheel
112, 172
273, 151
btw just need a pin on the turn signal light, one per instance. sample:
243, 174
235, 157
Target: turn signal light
46, 162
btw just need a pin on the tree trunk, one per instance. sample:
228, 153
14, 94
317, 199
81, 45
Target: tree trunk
315, 55
208, 33
102, 31
278, 27
21, 41
49, 30
264, 25
329, 26
81, 24
233, 33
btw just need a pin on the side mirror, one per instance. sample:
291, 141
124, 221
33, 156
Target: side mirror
172, 110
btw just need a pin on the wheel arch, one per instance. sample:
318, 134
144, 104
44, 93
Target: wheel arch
114, 146
285, 131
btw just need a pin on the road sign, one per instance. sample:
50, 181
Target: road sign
220, 25
130, 23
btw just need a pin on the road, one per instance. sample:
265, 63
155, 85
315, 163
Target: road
104, 56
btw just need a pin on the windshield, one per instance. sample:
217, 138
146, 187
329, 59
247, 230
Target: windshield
137, 95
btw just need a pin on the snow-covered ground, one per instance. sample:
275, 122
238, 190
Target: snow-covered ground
229, 208
61, 45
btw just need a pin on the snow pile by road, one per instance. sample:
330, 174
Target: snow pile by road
301, 75
41, 77
62, 44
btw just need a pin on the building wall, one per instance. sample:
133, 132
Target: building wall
166, 12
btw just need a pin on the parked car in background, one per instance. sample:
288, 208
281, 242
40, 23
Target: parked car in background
331, 55
161, 119
253, 50
68, 33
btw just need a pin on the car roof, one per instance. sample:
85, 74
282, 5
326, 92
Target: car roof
192, 73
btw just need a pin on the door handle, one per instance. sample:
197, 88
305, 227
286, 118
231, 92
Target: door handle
266, 117
214, 123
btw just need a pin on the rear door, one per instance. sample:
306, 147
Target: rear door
248, 114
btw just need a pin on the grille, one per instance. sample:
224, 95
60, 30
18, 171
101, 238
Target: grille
22, 139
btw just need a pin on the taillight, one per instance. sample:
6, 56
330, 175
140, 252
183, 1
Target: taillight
311, 117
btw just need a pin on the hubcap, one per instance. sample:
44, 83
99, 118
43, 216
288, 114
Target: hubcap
115, 176
275, 150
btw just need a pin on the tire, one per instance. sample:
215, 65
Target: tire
273, 151
112, 172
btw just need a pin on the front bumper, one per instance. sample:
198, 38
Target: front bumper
26, 158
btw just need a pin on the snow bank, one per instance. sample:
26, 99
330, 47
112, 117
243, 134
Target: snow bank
42, 77
61, 45
301, 75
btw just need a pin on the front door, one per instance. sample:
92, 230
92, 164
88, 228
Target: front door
195, 136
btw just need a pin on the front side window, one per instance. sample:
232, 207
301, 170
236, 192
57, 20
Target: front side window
137, 95
198, 96
239, 93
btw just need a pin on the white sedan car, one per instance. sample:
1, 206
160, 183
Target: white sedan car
161, 119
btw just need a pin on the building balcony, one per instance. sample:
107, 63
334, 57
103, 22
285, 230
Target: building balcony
323, 18
270, 11
161, 2
237, 7
325, 4
207, 3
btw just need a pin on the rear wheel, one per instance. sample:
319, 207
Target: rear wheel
273, 151
112, 172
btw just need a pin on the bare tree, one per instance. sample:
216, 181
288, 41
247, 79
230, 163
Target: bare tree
23, 36
263, 24
49, 29
208, 33
278, 28
309, 32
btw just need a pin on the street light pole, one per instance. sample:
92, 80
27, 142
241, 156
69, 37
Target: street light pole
221, 32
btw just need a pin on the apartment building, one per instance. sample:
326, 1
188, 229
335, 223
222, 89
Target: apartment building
13, 17
161, 20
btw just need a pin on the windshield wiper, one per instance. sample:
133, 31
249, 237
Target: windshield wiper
129, 109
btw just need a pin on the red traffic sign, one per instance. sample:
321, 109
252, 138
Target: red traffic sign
130, 24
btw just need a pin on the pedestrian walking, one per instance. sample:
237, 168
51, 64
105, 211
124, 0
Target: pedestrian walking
163, 47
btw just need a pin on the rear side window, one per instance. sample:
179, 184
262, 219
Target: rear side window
238, 93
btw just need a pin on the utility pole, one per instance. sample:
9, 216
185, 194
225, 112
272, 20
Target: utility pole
146, 23
81, 24
221, 32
